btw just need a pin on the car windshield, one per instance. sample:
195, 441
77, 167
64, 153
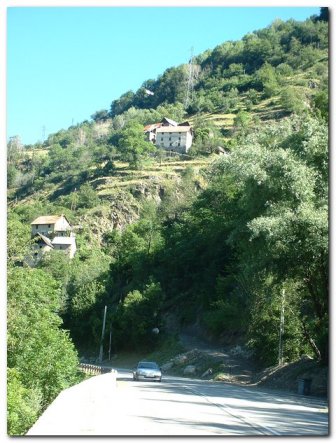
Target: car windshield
148, 365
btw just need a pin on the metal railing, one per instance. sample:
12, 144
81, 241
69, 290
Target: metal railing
95, 369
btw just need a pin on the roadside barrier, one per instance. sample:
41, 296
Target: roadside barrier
94, 369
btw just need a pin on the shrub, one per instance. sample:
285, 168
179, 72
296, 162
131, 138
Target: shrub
23, 404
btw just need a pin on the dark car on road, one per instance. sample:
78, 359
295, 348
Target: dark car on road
147, 370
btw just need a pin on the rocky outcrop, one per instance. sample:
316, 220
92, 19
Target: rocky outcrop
116, 213
189, 370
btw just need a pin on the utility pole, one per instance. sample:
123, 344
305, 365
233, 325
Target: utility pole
100, 358
282, 328
110, 340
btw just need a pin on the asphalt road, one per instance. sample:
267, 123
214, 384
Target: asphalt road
118, 406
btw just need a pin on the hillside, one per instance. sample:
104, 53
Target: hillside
229, 239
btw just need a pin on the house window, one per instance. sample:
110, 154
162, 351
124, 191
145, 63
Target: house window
179, 144
162, 139
169, 138
170, 144
36, 227
49, 226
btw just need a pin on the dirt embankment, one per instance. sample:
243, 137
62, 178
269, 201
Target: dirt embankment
235, 365
232, 364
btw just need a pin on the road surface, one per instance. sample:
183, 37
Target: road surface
118, 406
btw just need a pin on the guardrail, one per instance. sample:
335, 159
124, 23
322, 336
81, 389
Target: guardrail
95, 369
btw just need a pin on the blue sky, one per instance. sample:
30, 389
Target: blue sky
65, 63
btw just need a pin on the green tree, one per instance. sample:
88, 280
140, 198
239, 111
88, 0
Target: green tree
292, 100
83, 313
101, 115
133, 146
18, 238
23, 404
321, 102
14, 149
281, 215
40, 353
122, 104
87, 197
12, 174
324, 14
266, 75
242, 120
138, 315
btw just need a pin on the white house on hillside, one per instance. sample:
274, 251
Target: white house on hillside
51, 232
174, 138
67, 244
51, 225
170, 135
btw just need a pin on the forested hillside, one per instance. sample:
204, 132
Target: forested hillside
221, 242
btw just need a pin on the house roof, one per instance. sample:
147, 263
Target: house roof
47, 219
165, 120
63, 241
45, 239
152, 126
173, 129
169, 121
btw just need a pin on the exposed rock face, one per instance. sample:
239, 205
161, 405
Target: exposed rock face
154, 191
117, 213
122, 198
180, 359
189, 370
119, 209
167, 366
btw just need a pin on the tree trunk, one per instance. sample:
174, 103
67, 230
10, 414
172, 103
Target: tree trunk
310, 341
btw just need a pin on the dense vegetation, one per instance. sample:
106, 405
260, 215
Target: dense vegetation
221, 242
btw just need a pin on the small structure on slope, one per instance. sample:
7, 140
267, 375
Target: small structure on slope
170, 135
51, 232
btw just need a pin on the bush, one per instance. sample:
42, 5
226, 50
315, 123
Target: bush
223, 318
292, 100
87, 197
284, 70
41, 357
23, 404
